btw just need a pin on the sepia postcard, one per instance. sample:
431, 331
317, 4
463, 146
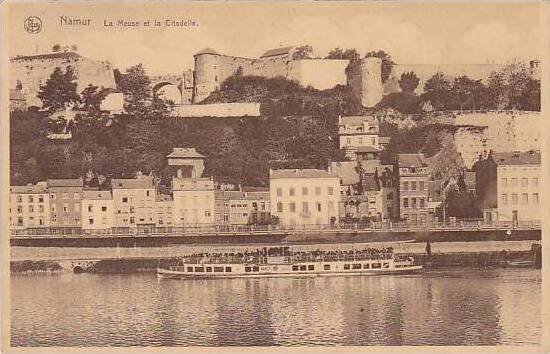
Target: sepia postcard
294, 176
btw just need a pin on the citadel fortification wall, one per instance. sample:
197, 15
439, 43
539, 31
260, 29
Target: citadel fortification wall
33, 71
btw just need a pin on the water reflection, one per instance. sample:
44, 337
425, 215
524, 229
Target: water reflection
463, 307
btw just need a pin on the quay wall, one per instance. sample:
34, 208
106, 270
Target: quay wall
281, 237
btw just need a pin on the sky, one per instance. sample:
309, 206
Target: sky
413, 33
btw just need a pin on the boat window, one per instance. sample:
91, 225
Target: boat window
189, 269
303, 267
275, 268
311, 267
199, 269
209, 269
247, 269
386, 265
326, 267
228, 269
366, 266
346, 266
295, 268
398, 266
218, 269
256, 269
376, 265
356, 266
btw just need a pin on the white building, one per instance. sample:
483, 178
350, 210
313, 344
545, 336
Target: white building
304, 196
519, 196
134, 203
29, 206
163, 211
98, 210
193, 202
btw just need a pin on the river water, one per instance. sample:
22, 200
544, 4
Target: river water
437, 307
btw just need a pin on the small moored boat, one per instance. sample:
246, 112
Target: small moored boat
266, 263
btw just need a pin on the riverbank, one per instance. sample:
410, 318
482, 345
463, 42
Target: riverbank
483, 254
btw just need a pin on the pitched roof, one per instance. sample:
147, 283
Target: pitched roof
356, 120
97, 195
73, 182
61, 55
187, 153
517, 158
142, 182
411, 160
207, 51
301, 173
29, 189
277, 51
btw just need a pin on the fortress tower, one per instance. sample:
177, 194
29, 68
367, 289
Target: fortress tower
206, 79
371, 81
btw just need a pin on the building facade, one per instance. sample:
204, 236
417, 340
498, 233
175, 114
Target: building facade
29, 206
359, 135
98, 211
413, 188
193, 202
134, 204
163, 213
65, 203
518, 186
305, 196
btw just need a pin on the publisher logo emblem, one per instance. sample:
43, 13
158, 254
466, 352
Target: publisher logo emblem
33, 24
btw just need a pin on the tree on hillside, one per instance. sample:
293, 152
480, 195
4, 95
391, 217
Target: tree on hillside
437, 91
530, 98
138, 96
56, 48
303, 52
387, 62
513, 87
91, 98
467, 94
59, 91
337, 53
408, 82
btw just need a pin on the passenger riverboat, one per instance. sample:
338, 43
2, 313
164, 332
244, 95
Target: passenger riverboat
281, 262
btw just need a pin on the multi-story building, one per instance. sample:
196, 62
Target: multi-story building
134, 203
97, 211
163, 211
305, 196
29, 206
249, 208
65, 203
518, 192
193, 202
413, 187
359, 135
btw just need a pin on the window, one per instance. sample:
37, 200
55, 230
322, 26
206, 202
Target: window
131, 209
326, 267
132, 220
348, 140
405, 202
366, 266
385, 265
41, 208
189, 269
373, 141
125, 199
20, 221
207, 213
318, 206
330, 190
228, 269
405, 186
209, 269
40, 221
262, 205
311, 267
524, 182
19, 209
504, 182
413, 202
41, 199
504, 199
421, 202
421, 185
31, 199
76, 196
303, 267
295, 268
103, 208
31, 209
535, 198
20, 199
255, 269
535, 181
514, 198
90, 221
279, 192
199, 269
525, 198
413, 186
218, 269
279, 207
376, 265
90, 208
356, 266
292, 207
346, 266
304, 190
291, 191
305, 207
317, 190
52, 196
